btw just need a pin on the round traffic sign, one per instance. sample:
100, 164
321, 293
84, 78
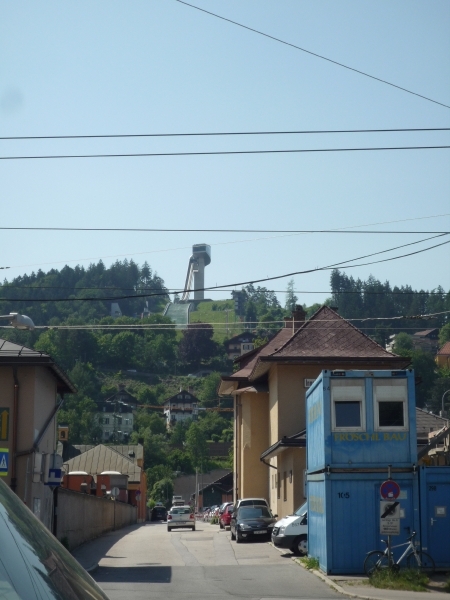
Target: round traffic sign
390, 489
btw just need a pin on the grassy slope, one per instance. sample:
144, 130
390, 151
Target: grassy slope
218, 318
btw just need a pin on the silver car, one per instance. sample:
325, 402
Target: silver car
180, 516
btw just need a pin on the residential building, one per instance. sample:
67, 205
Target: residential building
427, 340
269, 407
115, 416
240, 344
32, 389
106, 460
180, 407
115, 420
443, 356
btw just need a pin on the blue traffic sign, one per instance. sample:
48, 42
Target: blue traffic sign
390, 489
4, 462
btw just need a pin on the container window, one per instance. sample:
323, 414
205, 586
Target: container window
348, 405
390, 404
278, 485
285, 487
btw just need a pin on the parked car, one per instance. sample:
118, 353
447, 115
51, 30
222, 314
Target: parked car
180, 516
292, 531
33, 564
250, 502
159, 513
251, 522
225, 517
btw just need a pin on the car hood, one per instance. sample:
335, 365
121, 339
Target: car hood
259, 522
285, 521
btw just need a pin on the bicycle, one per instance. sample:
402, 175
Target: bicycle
377, 560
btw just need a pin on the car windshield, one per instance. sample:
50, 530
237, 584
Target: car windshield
180, 511
33, 564
302, 510
254, 512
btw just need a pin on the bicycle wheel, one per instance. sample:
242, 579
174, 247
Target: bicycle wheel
375, 561
422, 561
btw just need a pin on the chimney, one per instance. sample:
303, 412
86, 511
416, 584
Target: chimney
297, 319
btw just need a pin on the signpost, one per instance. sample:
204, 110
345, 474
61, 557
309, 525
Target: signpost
4, 462
389, 510
389, 490
389, 517
54, 478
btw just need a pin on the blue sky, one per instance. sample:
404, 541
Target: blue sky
161, 67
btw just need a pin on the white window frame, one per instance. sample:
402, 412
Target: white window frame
357, 383
376, 402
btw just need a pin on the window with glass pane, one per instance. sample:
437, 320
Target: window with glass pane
390, 400
348, 404
348, 414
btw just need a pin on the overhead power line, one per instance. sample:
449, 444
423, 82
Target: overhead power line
228, 326
220, 152
342, 265
335, 62
221, 133
175, 290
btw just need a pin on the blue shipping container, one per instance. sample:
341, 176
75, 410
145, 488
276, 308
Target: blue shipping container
358, 419
344, 517
435, 513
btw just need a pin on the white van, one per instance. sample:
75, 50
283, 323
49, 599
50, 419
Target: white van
292, 531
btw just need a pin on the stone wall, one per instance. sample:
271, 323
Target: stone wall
81, 517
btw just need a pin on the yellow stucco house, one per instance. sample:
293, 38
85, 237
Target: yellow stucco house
443, 356
269, 400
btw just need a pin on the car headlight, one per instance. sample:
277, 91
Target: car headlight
244, 526
281, 530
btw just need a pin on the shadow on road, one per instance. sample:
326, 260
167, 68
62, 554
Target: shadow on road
142, 574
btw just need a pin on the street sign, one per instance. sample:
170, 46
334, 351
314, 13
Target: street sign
54, 477
390, 490
4, 424
389, 517
4, 462
115, 492
138, 495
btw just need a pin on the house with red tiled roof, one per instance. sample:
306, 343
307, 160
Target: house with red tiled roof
443, 356
269, 389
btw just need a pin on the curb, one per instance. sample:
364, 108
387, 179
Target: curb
332, 584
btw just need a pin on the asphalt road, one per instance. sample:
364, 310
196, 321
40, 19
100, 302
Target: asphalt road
147, 562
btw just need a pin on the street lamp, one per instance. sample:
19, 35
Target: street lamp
19, 321
443, 396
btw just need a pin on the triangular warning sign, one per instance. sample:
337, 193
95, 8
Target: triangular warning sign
3, 464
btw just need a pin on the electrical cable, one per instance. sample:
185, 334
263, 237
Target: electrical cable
221, 133
175, 290
228, 326
221, 152
342, 265
339, 64
287, 234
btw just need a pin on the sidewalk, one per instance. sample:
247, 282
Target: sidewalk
358, 587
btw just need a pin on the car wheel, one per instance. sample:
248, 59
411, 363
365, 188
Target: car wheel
193, 529
238, 538
300, 546
233, 537
169, 529
220, 525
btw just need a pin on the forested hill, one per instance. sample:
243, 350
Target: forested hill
48, 296
371, 299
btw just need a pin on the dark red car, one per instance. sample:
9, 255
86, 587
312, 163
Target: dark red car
225, 517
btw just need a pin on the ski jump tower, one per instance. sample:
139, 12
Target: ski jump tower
195, 280
201, 257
